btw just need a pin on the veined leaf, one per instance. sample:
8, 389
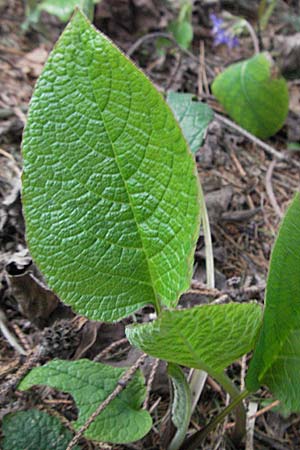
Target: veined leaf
181, 407
254, 95
276, 359
33, 430
110, 189
193, 117
90, 383
206, 337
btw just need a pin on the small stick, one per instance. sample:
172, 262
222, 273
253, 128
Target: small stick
150, 382
32, 359
268, 149
270, 192
9, 336
122, 384
108, 349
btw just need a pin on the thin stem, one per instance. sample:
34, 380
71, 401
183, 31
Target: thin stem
240, 414
194, 442
253, 36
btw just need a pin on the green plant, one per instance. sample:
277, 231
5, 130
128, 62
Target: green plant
112, 205
182, 27
254, 95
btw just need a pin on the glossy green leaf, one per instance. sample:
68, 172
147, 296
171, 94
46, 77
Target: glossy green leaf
64, 8
110, 189
34, 430
182, 405
193, 117
276, 360
254, 95
206, 337
90, 383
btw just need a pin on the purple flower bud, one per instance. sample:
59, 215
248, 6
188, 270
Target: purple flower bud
221, 34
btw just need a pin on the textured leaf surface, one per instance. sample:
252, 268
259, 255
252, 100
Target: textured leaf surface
207, 337
90, 383
110, 190
276, 360
253, 95
34, 430
181, 407
193, 117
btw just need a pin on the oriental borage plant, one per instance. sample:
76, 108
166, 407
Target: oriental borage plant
112, 204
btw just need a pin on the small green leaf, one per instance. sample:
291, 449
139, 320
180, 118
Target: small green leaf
110, 189
34, 430
276, 359
206, 337
90, 383
181, 27
64, 8
193, 117
181, 407
254, 95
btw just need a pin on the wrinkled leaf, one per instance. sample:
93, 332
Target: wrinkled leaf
254, 95
276, 360
110, 190
181, 407
193, 117
90, 383
206, 337
33, 430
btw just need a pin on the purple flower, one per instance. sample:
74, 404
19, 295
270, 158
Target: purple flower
222, 35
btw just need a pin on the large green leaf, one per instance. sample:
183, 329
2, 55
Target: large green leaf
254, 95
276, 360
182, 405
110, 190
90, 383
193, 117
206, 337
34, 430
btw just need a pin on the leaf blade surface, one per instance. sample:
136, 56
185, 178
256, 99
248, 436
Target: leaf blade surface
276, 359
110, 190
208, 337
90, 383
253, 96
34, 429
193, 117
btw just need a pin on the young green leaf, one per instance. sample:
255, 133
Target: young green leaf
182, 28
90, 383
276, 359
193, 117
34, 429
206, 337
110, 189
254, 95
64, 8
181, 407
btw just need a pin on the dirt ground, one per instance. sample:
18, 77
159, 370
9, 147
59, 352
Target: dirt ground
247, 190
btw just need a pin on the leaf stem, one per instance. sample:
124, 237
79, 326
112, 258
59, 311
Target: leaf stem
194, 442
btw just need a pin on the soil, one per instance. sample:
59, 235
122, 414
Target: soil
247, 191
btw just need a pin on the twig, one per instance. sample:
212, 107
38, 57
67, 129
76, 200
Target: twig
108, 349
32, 359
169, 37
150, 382
9, 336
268, 149
122, 384
269, 189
